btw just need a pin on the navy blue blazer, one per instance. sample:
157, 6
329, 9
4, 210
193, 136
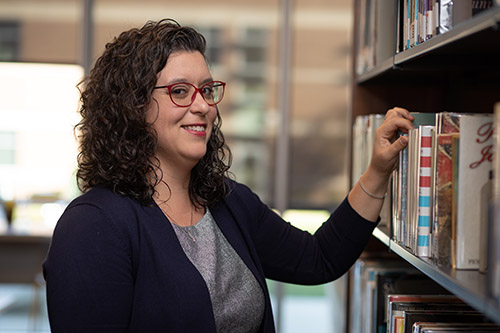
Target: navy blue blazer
116, 266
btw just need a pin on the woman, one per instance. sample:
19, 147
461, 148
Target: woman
162, 240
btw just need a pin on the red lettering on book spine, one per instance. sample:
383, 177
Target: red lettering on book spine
484, 133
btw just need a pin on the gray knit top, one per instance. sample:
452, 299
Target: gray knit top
237, 298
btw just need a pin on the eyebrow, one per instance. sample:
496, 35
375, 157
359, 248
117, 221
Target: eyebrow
180, 80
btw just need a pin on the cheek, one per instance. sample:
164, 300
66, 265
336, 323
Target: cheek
212, 115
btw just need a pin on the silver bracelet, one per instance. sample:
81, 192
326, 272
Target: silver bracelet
381, 197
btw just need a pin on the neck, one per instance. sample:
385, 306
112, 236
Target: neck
175, 180
172, 195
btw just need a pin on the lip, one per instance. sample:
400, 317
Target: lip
195, 129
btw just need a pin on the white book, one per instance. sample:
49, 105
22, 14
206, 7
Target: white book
359, 147
475, 162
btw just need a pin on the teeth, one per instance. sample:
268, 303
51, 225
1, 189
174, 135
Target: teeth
195, 128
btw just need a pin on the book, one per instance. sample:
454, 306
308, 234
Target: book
493, 276
358, 147
397, 304
445, 15
484, 223
384, 30
452, 13
364, 129
441, 227
423, 327
411, 192
447, 129
455, 151
475, 157
410, 317
480, 5
425, 173
399, 187
365, 60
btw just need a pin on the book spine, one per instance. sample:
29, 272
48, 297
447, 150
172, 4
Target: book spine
407, 27
430, 20
412, 172
424, 191
475, 163
416, 23
399, 196
441, 232
494, 228
404, 191
445, 15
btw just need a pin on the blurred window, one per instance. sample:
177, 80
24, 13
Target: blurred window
7, 148
9, 40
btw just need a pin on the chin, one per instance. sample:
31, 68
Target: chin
197, 157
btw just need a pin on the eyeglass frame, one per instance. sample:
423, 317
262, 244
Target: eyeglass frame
196, 90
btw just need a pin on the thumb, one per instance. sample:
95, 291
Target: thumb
400, 144
403, 141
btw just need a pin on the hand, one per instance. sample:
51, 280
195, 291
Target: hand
385, 148
367, 199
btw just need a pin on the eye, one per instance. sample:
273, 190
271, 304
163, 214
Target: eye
208, 91
179, 90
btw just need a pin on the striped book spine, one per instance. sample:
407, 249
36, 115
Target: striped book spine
424, 191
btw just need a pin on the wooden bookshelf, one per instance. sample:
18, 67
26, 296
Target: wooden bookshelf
456, 71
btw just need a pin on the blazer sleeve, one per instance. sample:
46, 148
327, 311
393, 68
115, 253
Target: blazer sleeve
88, 273
291, 255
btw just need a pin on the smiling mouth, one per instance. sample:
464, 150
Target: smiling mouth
196, 128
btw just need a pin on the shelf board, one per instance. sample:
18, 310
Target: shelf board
378, 70
381, 235
468, 285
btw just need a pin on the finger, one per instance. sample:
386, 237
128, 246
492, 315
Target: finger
392, 126
399, 112
392, 150
403, 124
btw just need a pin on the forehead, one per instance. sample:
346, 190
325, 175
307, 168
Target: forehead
184, 65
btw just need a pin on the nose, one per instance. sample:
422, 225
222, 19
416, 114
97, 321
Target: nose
199, 104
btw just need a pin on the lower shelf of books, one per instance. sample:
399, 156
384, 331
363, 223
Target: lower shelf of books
470, 286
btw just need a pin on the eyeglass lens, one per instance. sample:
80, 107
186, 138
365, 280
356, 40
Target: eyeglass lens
183, 93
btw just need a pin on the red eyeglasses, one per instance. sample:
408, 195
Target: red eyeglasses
183, 93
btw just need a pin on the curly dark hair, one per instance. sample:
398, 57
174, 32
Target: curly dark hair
117, 144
